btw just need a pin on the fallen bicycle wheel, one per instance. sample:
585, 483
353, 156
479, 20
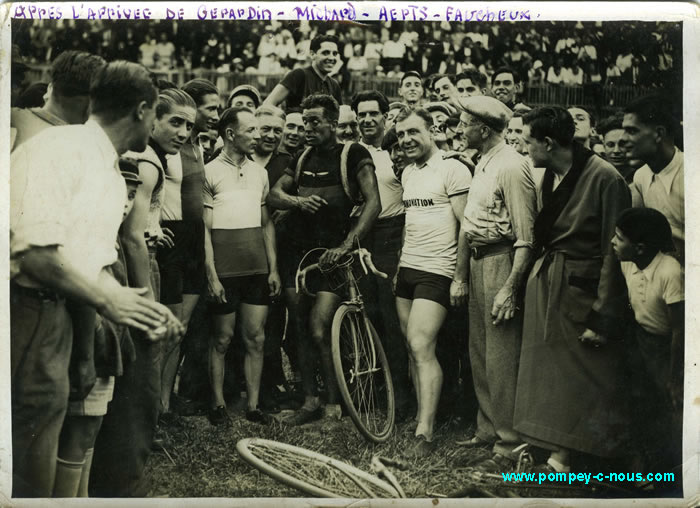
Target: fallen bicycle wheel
311, 472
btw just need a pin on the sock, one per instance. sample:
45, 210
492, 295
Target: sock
85, 476
67, 478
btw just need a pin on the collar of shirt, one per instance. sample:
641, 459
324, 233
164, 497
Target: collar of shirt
649, 270
667, 175
323, 78
435, 160
371, 148
104, 144
486, 157
227, 159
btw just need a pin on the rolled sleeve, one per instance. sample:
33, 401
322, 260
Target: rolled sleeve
520, 193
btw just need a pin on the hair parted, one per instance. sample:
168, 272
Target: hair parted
266, 110
320, 39
419, 112
198, 88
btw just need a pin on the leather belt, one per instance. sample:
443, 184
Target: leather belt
490, 249
43, 294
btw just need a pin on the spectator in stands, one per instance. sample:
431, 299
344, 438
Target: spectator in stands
614, 148
585, 125
576, 74
373, 51
165, 51
505, 86
612, 74
348, 128
650, 126
357, 63
411, 88
244, 96
300, 83
68, 96
535, 75
558, 74
393, 51
470, 83
147, 50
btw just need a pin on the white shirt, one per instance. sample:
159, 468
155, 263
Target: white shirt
67, 191
390, 190
652, 290
430, 243
664, 191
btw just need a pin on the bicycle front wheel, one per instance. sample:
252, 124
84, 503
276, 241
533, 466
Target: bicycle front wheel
311, 472
362, 371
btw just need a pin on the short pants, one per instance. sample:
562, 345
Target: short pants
95, 404
412, 284
250, 289
182, 267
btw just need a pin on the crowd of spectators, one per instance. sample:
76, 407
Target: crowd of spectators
554, 53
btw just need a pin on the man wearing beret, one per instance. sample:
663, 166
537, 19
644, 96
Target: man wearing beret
494, 251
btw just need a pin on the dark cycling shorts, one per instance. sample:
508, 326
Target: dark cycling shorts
288, 268
413, 284
182, 267
250, 289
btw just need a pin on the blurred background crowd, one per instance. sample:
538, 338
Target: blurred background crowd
575, 55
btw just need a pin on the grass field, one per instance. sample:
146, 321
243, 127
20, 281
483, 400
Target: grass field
201, 460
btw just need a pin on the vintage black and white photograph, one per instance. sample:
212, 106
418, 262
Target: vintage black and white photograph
352, 258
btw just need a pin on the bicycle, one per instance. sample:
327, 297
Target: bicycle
316, 474
360, 364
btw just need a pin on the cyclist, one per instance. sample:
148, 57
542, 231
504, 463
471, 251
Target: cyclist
434, 197
320, 217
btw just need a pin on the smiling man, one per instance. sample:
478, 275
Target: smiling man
320, 204
470, 83
293, 134
347, 131
314, 79
435, 194
505, 86
411, 88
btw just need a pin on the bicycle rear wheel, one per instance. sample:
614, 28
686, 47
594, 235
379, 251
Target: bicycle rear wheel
362, 371
312, 472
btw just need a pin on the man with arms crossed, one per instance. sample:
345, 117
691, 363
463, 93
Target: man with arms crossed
320, 217
435, 194
241, 261
494, 251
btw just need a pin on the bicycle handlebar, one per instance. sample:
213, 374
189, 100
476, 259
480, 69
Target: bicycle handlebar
365, 260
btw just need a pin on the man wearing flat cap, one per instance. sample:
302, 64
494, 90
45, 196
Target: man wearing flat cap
494, 251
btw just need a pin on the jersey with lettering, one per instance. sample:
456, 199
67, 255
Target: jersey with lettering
430, 243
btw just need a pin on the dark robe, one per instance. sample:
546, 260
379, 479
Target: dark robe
569, 394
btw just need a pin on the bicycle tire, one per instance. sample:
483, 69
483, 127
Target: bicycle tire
310, 472
368, 397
